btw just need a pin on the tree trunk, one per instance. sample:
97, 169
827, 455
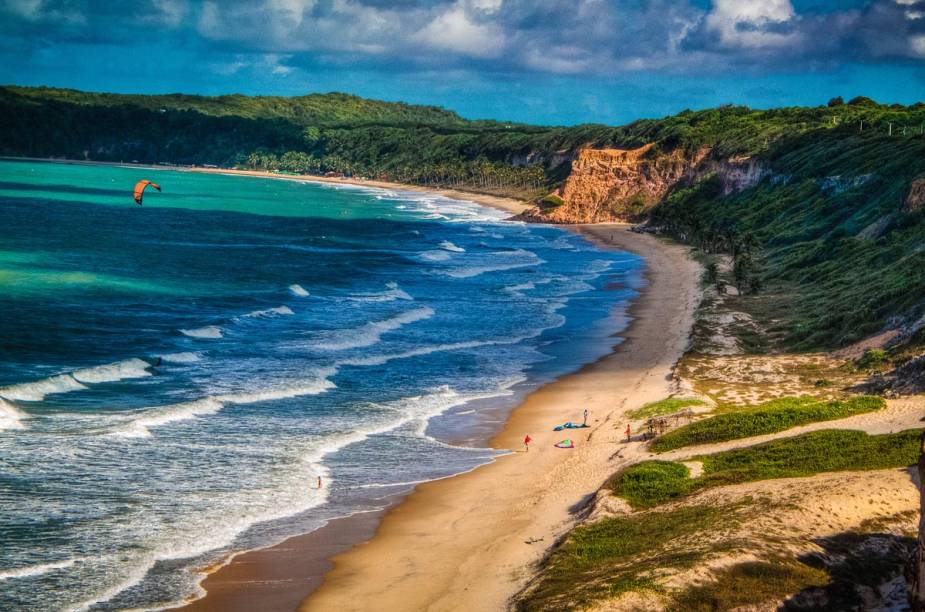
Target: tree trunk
916, 570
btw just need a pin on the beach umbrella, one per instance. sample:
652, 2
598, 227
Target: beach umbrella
140, 187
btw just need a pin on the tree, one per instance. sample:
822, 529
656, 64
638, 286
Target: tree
836, 101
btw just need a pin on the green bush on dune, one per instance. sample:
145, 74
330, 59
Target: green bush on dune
770, 417
668, 405
651, 483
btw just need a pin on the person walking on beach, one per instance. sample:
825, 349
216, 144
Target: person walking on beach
585, 422
628, 433
319, 482
527, 441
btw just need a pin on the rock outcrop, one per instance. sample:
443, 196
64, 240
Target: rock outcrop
624, 184
915, 199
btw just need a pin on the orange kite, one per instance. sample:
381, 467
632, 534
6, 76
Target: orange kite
140, 189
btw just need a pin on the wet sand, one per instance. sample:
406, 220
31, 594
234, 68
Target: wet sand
462, 543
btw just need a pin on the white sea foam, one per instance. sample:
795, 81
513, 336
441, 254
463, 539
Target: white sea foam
507, 260
36, 570
140, 427
519, 288
112, 372
298, 290
209, 331
270, 312
185, 357
140, 423
449, 246
392, 292
36, 391
435, 256
10, 416
371, 333
313, 387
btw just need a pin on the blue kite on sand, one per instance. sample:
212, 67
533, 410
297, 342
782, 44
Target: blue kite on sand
569, 425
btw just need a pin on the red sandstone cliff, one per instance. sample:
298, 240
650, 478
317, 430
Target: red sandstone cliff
623, 184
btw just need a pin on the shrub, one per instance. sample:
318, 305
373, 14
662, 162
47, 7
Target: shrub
770, 417
650, 483
871, 359
668, 405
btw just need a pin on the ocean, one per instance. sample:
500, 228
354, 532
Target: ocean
175, 377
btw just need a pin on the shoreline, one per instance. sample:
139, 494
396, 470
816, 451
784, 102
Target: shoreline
327, 566
424, 548
506, 204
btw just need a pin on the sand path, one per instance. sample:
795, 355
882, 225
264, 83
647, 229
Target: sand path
461, 543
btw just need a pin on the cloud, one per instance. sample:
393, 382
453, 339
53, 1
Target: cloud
752, 23
575, 37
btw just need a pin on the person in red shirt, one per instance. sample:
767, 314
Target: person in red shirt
628, 433
527, 441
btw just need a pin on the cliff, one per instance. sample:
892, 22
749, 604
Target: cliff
624, 184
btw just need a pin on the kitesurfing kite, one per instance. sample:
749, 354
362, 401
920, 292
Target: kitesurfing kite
140, 189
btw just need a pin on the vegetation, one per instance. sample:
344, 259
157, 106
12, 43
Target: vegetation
770, 417
651, 483
669, 405
599, 560
751, 584
823, 244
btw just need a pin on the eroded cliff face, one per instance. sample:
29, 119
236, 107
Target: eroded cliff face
915, 199
623, 184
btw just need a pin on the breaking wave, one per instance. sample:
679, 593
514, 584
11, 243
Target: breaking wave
298, 290
270, 312
186, 357
36, 391
392, 292
35, 570
209, 331
10, 416
371, 333
120, 370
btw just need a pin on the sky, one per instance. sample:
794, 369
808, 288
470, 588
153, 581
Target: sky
534, 61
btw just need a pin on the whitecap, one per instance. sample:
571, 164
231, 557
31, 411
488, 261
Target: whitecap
507, 260
155, 417
392, 292
10, 416
270, 312
435, 256
112, 372
36, 391
449, 246
36, 570
209, 331
298, 290
140, 423
371, 333
186, 357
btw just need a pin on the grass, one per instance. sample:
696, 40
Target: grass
650, 483
669, 405
769, 417
603, 559
750, 584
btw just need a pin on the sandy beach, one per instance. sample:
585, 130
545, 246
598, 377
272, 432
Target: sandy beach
469, 542
506, 204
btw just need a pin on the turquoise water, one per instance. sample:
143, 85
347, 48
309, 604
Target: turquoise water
175, 377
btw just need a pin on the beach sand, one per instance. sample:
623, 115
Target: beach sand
510, 205
469, 542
